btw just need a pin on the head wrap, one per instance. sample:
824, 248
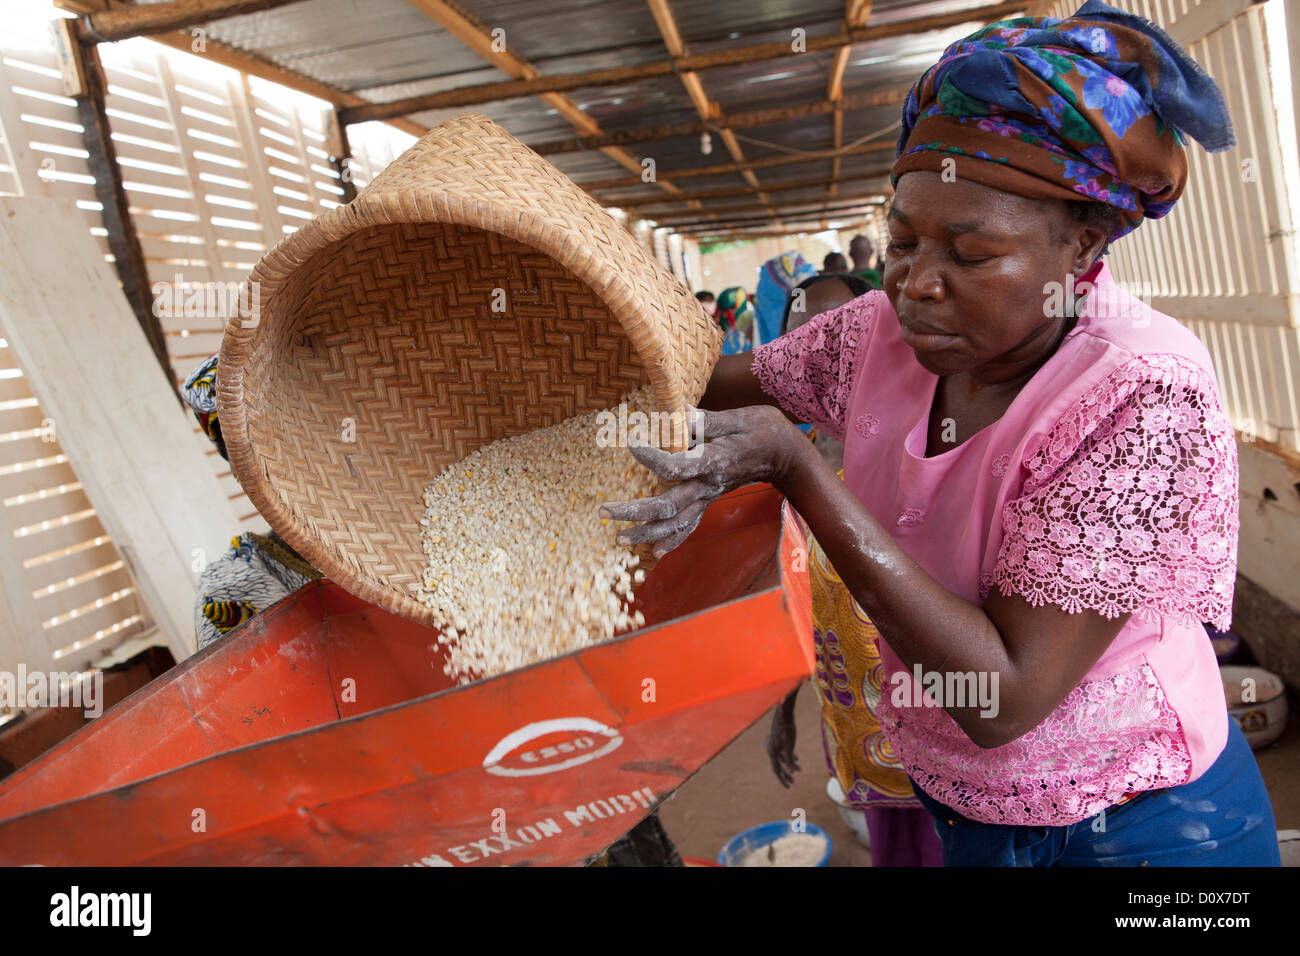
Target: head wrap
200, 394
733, 309
1096, 106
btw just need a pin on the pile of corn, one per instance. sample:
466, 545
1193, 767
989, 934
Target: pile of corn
521, 565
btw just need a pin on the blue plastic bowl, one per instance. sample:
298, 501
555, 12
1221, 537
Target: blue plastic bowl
735, 850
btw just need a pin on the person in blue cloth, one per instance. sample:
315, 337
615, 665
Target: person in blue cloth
777, 277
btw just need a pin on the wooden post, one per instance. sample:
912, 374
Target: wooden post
84, 79
336, 144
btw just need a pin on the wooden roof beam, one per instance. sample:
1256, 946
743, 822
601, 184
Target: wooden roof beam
813, 220
808, 223
560, 83
742, 235
123, 22
855, 15
247, 63
667, 23
596, 185
649, 134
475, 36
874, 193
723, 193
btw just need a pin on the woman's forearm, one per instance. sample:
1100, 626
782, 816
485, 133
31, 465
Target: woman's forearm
1024, 659
734, 385
923, 621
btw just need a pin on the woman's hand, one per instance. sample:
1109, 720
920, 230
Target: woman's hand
780, 741
757, 443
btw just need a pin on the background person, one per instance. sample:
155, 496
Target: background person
865, 265
735, 316
776, 278
834, 263
707, 300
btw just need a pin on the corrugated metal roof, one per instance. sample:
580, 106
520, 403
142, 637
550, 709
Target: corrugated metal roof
388, 50
547, 33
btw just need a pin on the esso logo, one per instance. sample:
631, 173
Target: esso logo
549, 746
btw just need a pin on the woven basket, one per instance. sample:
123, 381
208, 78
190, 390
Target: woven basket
371, 357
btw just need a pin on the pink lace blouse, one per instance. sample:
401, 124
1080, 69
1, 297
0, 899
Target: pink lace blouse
1109, 484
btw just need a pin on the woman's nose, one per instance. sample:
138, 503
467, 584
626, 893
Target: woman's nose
923, 278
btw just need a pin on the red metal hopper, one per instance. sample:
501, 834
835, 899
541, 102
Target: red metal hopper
325, 732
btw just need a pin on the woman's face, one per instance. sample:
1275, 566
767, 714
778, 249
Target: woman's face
970, 269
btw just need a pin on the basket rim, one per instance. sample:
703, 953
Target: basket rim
558, 239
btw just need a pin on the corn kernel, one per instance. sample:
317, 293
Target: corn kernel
580, 594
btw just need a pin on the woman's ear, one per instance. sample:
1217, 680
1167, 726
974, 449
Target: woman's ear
1091, 244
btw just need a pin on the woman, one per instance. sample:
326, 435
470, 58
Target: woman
736, 317
257, 570
776, 277
1039, 496
817, 294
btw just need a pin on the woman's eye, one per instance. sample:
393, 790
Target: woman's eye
897, 246
969, 260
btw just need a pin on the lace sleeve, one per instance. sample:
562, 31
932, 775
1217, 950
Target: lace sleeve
810, 370
1130, 503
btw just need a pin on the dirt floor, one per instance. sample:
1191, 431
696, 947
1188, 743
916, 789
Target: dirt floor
737, 789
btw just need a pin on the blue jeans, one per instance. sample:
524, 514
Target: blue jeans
1223, 818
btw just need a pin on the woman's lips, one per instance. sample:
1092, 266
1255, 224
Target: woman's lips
925, 341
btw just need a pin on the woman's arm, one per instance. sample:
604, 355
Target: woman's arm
806, 373
733, 384
1037, 654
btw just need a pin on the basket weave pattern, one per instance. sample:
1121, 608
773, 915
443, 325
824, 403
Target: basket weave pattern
377, 357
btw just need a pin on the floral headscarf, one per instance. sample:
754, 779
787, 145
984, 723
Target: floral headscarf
1096, 106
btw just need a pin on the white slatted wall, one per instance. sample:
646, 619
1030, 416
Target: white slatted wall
1223, 262
217, 168
61, 568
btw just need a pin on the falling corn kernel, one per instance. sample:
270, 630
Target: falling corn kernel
580, 595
